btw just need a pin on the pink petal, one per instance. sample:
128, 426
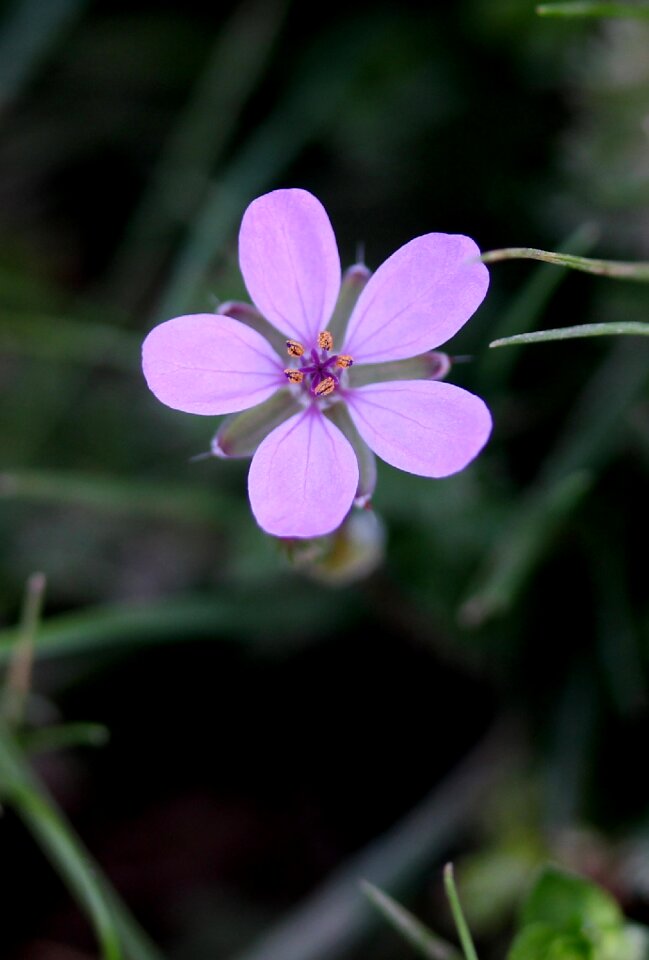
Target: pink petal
417, 299
208, 364
303, 477
421, 426
289, 261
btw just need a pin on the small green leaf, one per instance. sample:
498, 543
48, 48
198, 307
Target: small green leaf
540, 941
565, 901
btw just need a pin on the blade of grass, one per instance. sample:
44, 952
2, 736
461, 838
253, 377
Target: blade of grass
528, 305
532, 527
27, 35
66, 340
595, 9
589, 439
413, 930
197, 142
232, 613
321, 84
64, 735
458, 914
112, 923
122, 495
334, 919
19, 673
605, 268
632, 328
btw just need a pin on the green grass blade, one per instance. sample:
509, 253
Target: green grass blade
425, 942
69, 341
334, 919
632, 328
20, 788
589, 439
619, 269
121, 495
233, 614
63, 736
458, 914
27, 35
198, 142
528, 305
531, 529
586, 9
319, 88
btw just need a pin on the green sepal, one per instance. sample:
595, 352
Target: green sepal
431, 365
353, 282
246, 313
240, 434
339, 415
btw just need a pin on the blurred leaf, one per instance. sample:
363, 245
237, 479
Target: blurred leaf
540, 942
567, 901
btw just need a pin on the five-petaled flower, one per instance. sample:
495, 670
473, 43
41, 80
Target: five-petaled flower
321, 409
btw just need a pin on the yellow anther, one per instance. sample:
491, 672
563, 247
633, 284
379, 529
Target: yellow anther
325, 340
295, 348
293, 375
344, 360
325, 387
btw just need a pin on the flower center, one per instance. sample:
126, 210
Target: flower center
319, 370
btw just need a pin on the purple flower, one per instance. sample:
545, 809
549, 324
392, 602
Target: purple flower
319, 414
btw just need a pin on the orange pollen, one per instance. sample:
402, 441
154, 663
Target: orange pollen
344, 360
295, 348
325, 340
325, 387
294, 376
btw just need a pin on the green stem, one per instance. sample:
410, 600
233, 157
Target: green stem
631, 328
586, 9
607, 268
458, 915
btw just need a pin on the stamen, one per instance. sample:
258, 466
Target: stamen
294, 348
325, 387
344, 360
325, 340
293, 375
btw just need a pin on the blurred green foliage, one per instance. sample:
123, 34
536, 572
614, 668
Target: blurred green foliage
133, 137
